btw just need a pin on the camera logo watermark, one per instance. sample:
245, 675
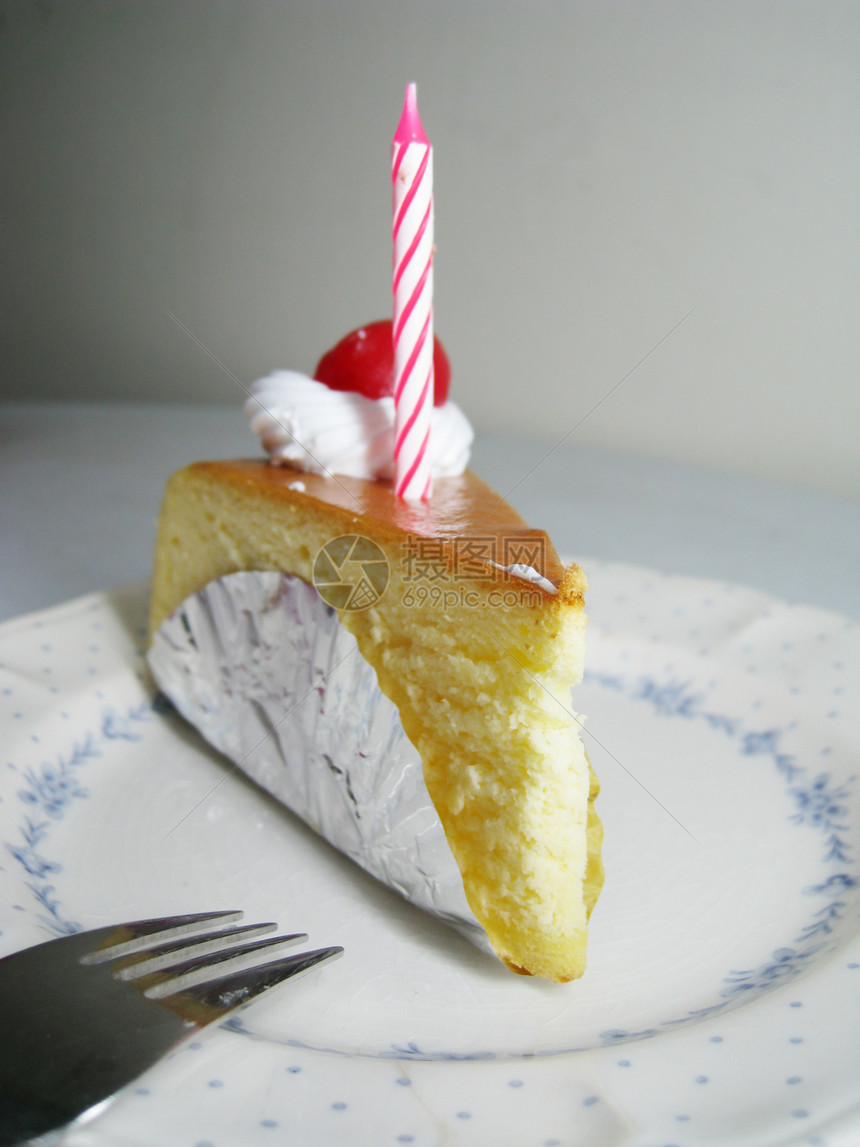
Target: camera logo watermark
351, 572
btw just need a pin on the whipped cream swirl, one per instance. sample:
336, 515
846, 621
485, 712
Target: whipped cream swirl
304, 424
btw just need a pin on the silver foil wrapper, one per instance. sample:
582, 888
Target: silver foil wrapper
263, 668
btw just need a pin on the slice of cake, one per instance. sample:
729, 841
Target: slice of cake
476, 633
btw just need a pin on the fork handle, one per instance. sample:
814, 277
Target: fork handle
25, 1121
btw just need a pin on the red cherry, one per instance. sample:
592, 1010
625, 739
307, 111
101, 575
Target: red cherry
363, 361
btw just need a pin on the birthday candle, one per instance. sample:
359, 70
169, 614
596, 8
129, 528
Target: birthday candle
412, 180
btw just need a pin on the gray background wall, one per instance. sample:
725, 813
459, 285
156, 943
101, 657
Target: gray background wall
604, 172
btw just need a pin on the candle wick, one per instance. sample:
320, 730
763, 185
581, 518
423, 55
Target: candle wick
410, 129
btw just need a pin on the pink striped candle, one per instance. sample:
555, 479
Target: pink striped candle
412, 180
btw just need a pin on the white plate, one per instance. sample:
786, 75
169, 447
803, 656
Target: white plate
722, 999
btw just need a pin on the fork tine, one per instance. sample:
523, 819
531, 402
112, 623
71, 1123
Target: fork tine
220, 996
132, 937
199, 969
148, 960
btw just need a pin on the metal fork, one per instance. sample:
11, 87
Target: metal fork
82, 1016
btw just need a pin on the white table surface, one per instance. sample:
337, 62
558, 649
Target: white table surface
81, 485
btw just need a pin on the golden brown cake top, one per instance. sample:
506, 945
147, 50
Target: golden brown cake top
464, 512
